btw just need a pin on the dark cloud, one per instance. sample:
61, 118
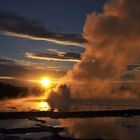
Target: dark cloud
18, 72
3, 61
14, 25
59, 56
13, 68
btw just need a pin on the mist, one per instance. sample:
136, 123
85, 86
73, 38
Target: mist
112, 44
60, 99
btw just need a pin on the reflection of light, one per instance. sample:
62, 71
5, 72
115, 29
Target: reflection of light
45, 82
44, 106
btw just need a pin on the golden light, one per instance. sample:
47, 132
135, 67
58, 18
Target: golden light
45, 82
44, 106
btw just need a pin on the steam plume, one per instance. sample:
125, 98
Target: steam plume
113, 43
60, 99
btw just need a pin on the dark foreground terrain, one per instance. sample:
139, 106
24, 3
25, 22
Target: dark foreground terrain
79, 114
41, 128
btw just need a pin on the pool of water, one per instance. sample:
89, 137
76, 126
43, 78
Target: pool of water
106, 128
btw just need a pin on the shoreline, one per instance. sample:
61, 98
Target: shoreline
63, 115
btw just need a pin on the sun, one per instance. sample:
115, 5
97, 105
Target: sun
45, 82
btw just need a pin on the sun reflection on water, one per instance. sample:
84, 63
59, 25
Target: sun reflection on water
43, 106
26, 104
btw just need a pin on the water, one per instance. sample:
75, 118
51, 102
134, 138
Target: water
107, 128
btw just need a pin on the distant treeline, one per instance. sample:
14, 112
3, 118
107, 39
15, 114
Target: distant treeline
10, 91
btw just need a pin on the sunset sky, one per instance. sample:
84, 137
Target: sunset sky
41, 38
70, 59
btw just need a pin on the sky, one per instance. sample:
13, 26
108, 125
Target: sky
42, 37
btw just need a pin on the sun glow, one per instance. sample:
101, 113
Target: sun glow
45, 82
44, 106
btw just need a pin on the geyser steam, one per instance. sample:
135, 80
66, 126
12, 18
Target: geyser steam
60, 99
112, 43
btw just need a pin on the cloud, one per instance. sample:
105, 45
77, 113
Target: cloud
59, 56
19, 73
3, 61
14, 25
10, 67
